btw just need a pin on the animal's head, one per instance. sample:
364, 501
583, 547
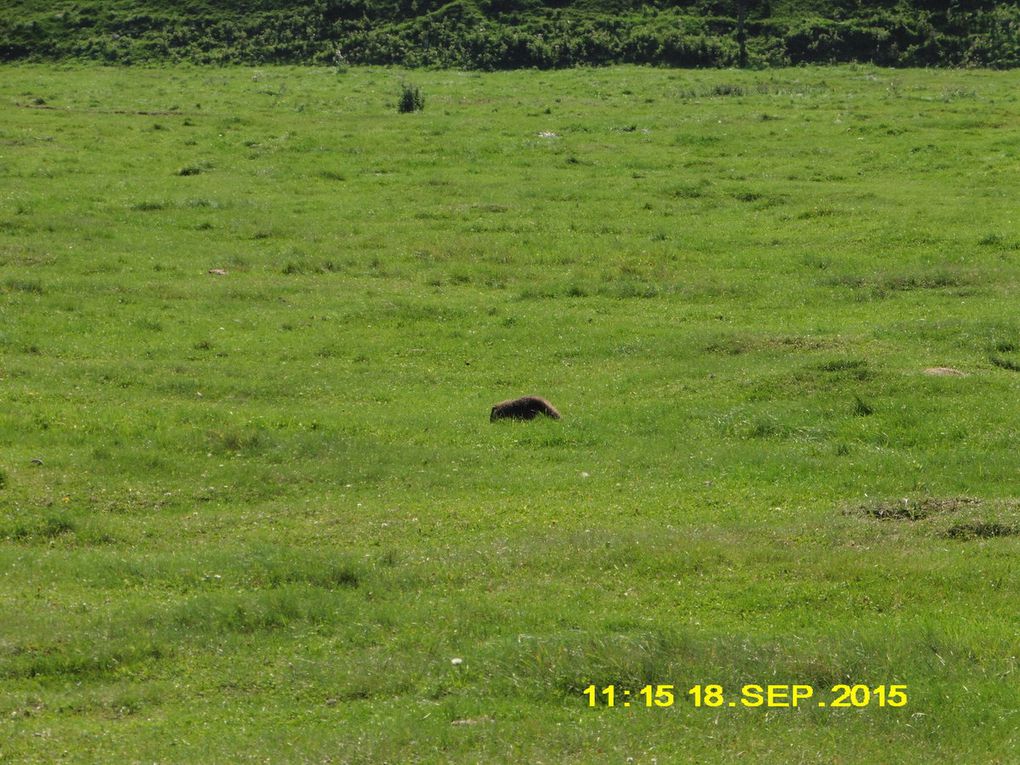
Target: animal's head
492, 415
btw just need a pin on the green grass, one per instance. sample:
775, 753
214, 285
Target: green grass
254, 515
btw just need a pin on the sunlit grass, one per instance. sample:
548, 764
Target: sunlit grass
252, 324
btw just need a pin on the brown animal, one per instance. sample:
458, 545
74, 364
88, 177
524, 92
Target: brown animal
524, 408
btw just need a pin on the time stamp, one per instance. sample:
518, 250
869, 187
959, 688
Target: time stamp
750, 695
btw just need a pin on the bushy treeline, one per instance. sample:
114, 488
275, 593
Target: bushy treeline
499, 34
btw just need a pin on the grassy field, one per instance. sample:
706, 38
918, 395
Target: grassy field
255, 516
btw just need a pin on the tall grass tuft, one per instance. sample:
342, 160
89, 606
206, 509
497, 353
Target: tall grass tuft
411, 99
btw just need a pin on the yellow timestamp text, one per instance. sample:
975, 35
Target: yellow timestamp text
751, 695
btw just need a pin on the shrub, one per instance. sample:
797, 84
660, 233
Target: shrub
411, 99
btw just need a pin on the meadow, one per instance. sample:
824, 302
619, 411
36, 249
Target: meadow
252, 321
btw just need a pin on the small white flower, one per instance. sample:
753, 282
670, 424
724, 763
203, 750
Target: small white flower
455, 661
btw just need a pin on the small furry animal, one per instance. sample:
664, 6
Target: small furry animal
524, 408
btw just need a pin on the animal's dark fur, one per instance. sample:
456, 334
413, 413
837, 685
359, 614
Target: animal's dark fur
524, 408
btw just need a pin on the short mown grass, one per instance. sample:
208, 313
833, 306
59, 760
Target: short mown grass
251, 503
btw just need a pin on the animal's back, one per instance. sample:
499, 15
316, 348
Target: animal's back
524, 408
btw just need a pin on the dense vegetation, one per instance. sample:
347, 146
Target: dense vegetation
496, 34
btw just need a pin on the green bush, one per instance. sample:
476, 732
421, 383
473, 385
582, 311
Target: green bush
507, 34
411, 99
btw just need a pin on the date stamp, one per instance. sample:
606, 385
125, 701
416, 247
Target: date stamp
751, 695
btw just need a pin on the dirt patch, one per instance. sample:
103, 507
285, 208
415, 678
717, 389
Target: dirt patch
944, 372
912, 509
982, 530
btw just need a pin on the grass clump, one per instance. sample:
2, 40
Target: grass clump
981, 530
914, 509
862, 408
30, 286
411, 99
